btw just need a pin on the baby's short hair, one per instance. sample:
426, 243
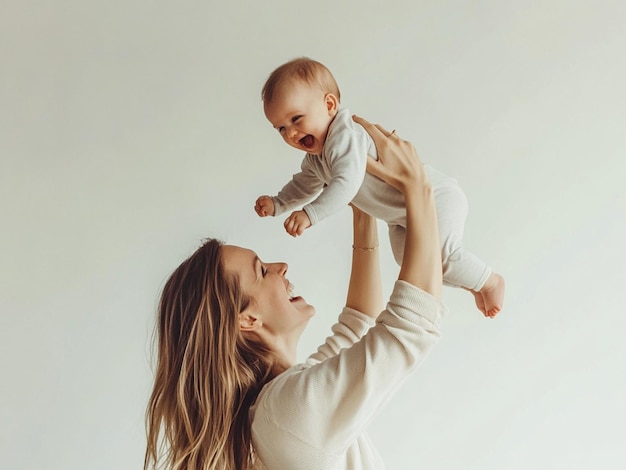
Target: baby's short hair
304, 70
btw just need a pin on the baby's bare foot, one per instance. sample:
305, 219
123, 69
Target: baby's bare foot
492, 295
480, 302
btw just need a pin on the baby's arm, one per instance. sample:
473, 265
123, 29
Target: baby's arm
301, 188
346, 164
346, 156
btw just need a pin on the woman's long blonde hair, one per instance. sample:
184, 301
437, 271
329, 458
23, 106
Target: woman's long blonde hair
208, 374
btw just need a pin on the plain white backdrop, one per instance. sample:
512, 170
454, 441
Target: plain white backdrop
130, 130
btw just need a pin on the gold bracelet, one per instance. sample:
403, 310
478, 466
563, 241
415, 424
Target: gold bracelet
364, 249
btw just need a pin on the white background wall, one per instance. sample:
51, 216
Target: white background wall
130, 130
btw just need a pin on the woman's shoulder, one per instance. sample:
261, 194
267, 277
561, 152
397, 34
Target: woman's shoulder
276, 391
279, 417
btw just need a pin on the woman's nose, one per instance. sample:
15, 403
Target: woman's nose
280, 268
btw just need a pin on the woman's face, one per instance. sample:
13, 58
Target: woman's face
272, 303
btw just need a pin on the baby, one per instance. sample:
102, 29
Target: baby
301, 100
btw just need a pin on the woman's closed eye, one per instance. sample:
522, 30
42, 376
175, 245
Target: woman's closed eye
259, 267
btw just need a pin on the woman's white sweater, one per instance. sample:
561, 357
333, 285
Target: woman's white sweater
314, 415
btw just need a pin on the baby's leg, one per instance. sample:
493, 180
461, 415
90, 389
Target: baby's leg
462, 268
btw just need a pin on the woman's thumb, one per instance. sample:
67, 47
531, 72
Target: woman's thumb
375, 167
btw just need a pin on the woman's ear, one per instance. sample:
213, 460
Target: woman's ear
332, 104
248, 321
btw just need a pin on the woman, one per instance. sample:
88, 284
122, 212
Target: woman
228, 393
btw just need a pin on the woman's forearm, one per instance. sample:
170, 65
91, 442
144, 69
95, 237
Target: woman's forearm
365, 289
421, 264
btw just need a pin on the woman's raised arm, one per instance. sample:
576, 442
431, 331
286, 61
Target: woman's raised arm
365, 289
399, 165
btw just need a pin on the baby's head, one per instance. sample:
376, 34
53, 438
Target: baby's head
300, 99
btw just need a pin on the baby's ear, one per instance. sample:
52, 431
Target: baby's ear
332, 103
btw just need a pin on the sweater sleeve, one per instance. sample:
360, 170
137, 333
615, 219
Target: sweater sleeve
325, 405
301, 188
351, 326
345, 152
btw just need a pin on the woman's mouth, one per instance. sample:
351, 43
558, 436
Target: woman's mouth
290, 289
292, 298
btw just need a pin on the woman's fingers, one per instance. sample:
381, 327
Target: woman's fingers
398, 163
377, 132
384, 131
375, 167
371, 126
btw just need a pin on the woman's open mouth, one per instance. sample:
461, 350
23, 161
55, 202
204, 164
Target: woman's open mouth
290, 289
292, 298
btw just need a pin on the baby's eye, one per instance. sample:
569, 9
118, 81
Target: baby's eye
296, 118
280, 129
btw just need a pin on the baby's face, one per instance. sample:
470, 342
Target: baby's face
302, 114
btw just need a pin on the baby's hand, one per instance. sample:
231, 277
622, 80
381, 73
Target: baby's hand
264, 206
297, 223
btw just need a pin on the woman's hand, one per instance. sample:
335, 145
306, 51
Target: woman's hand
398, 163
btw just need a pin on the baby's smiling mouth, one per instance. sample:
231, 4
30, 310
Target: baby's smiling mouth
307, 141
